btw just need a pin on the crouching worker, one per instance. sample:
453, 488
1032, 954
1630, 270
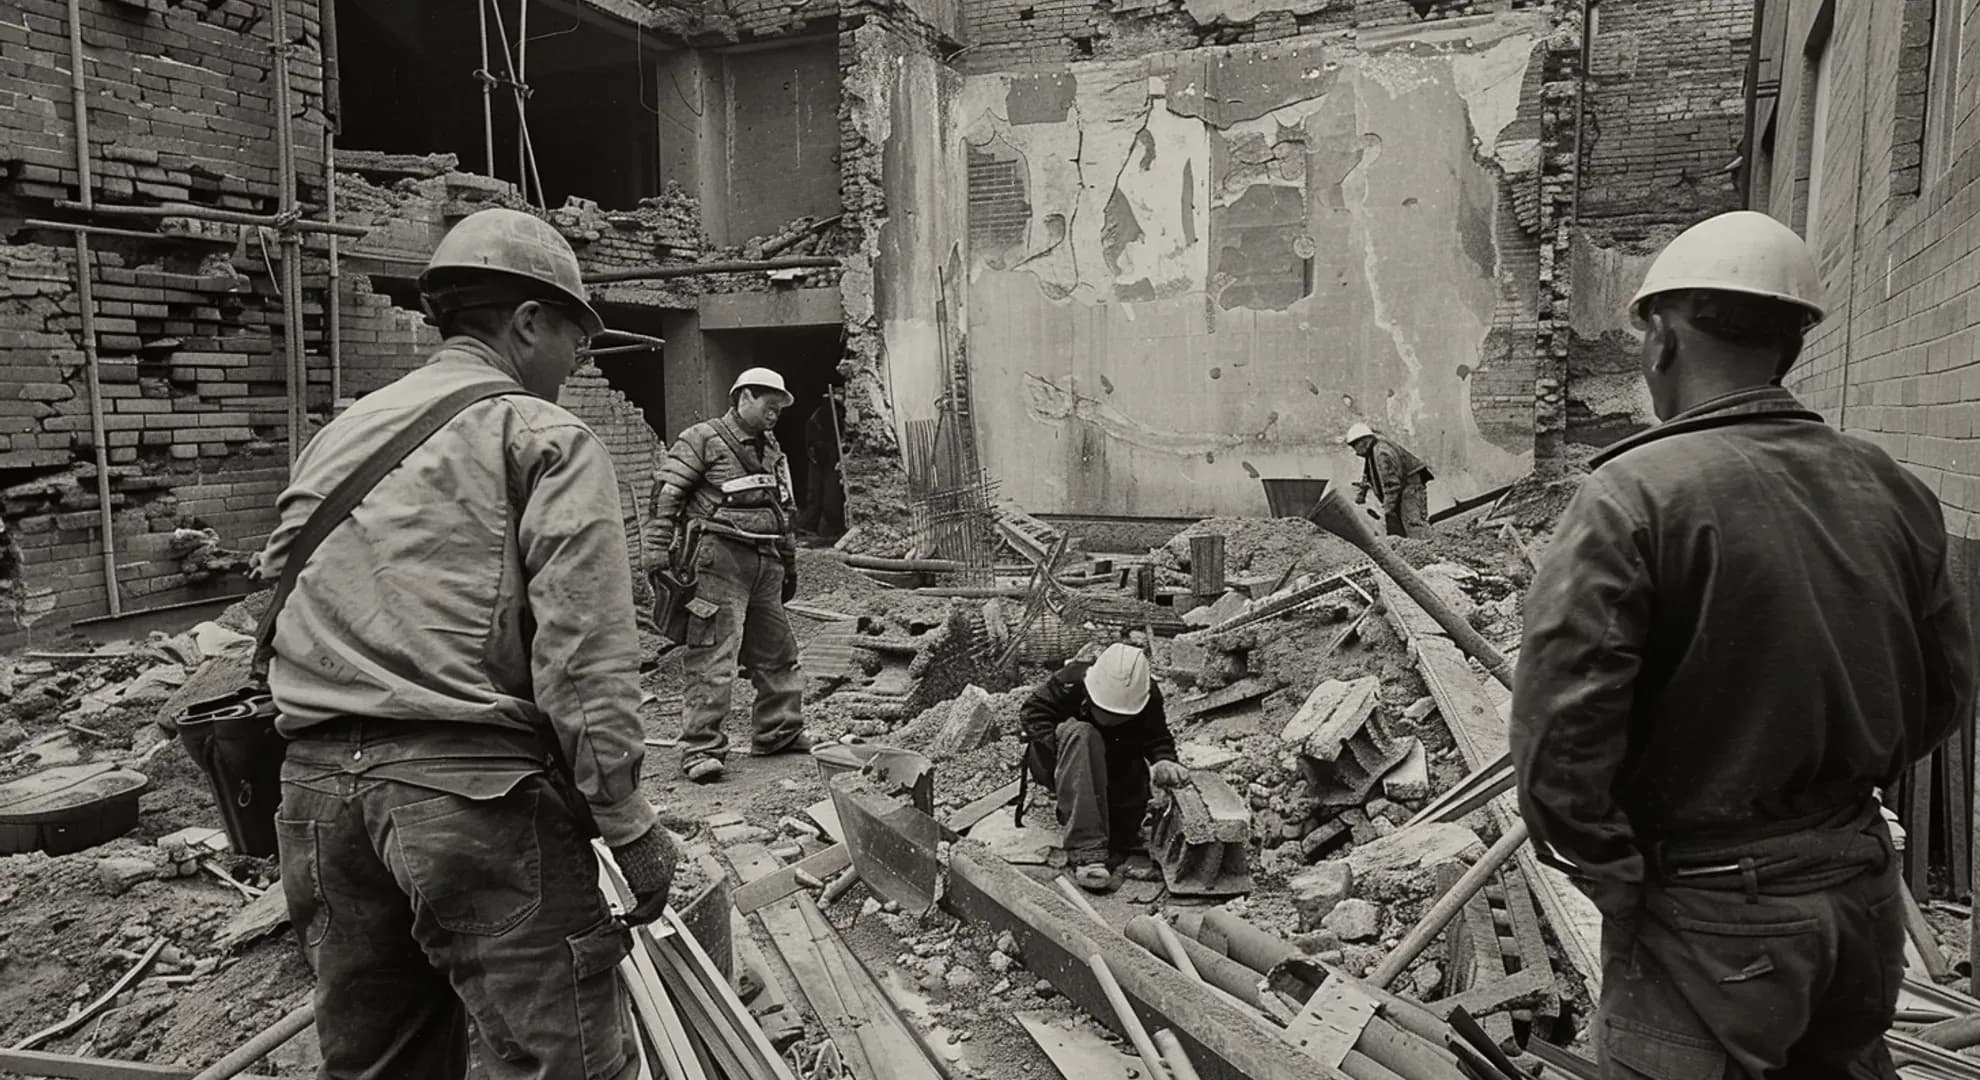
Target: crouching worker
1095, 732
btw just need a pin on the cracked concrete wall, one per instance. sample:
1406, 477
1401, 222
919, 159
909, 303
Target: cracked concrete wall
1194, 268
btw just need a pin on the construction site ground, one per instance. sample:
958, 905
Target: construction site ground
71, 925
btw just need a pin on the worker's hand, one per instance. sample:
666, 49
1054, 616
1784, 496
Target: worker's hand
1168, 774
790, 582
648, 863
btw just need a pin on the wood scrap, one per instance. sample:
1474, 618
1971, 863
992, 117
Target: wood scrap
84, 1014
754, 893
1078, 1054
78, 1067
265, 915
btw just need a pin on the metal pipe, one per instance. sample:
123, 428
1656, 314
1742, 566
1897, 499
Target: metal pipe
290, 284
86, 301
1448, 906
487, 90
288, 1027
334, 305
225, 217
524, 165
1151, 1058
732, 266
93, 230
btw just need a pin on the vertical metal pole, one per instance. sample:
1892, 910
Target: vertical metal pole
522, 77
335, 304
290, 278
86, 300
487, 90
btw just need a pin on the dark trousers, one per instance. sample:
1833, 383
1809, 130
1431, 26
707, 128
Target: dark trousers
824, 509
746, 584
424, 912
1731, 980
1102, 792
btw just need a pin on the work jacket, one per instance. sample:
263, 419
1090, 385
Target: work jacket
1744, 624
1389, 468
481, 594
691, 483
1063, 697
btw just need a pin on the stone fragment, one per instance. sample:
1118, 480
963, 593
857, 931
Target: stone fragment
1354, 920
971, 723
119, 873
1418, 847
1317, 890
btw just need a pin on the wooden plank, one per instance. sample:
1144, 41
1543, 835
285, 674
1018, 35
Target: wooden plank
776, 885
876, 1043
1224, 1041
1957, 776
76, 1067
1079, 1054
976, 811
1918, 824
1470, 710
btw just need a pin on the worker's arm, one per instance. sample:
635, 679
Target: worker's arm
787, 500
1160, 742
584, 655
679, 474
1055, 701
1587, 618
1947, 640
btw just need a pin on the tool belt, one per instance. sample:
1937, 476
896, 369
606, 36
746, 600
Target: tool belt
1837, 848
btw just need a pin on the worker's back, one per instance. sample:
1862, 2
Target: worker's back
1795, 623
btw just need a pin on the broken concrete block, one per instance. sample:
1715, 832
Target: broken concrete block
1331, 713
1419, 847
1318, 889
118, 873
1202, 839
740, 833
971, 723
1410, 779
1419, 709
12, 734
1195, 755
1354, 920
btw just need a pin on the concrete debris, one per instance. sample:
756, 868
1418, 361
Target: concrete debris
1202, 839
1317, 890
1420, 847
118, 874
971, 723
1354, 919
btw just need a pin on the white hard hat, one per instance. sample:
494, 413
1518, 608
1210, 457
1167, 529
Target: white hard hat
761, 378
1117, 683
1357, 433
1741, 252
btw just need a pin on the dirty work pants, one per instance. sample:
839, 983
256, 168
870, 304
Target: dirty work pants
1728, 981
745, 582
424, 912
1102, 792
824, 509
1411, 514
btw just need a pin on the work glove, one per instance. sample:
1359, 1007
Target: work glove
790, 582
1168, 774
648, 864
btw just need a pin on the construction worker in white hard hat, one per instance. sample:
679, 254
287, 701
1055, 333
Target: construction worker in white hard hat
724, 516
1397, 478
1745, 624
1096, 734
457, 671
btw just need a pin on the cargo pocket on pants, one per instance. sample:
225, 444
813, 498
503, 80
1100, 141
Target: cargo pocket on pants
1652, 1053
302, 881
476, 864
701, 622
601, 1006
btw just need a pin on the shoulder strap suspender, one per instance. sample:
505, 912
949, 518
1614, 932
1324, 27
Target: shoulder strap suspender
744, 454
344, 498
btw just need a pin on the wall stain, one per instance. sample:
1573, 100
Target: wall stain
1048, 402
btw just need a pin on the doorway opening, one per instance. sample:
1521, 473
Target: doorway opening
639, 375
811, 434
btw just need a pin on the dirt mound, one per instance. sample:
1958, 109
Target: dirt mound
1264, 546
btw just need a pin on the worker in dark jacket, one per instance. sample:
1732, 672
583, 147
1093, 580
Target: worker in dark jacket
1397, 478
729, 476
1096, 733
824, 509
1743, 628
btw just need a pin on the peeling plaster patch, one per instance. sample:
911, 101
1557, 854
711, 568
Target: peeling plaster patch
1148, 249
1189, 203
1209, 12
1256, 266
1489, 82
1235, 85
1048, 402
1040, 99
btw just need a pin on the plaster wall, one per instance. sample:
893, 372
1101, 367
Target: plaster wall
1191, 269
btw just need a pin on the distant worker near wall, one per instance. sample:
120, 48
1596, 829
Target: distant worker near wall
1397, 478
1744, 626
457, 668
730, 480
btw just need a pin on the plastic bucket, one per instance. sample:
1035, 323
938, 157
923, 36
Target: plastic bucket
234, 742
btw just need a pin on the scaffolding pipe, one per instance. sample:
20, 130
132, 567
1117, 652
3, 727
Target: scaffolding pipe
224, 217
335, 304
291, 280
86, 301
733, 266
487, 79
527, 150
94, 230
524, 166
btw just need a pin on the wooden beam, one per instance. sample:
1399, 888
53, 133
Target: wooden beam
1471, 712
76, 1067
777, 884
1223, 1040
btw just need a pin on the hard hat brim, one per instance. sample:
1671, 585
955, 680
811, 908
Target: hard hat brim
1106, 717
1815, 312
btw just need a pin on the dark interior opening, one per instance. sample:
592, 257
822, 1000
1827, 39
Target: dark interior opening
637, 375
409, 87
808, 359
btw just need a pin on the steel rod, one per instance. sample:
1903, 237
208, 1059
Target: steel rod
731, 266
208, 213
80, 98
236, 1063
334, 304
95, 230
86, 302
487, 80
290, 284
1151, 1058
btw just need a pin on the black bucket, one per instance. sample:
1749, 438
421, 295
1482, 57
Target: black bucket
234, 742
